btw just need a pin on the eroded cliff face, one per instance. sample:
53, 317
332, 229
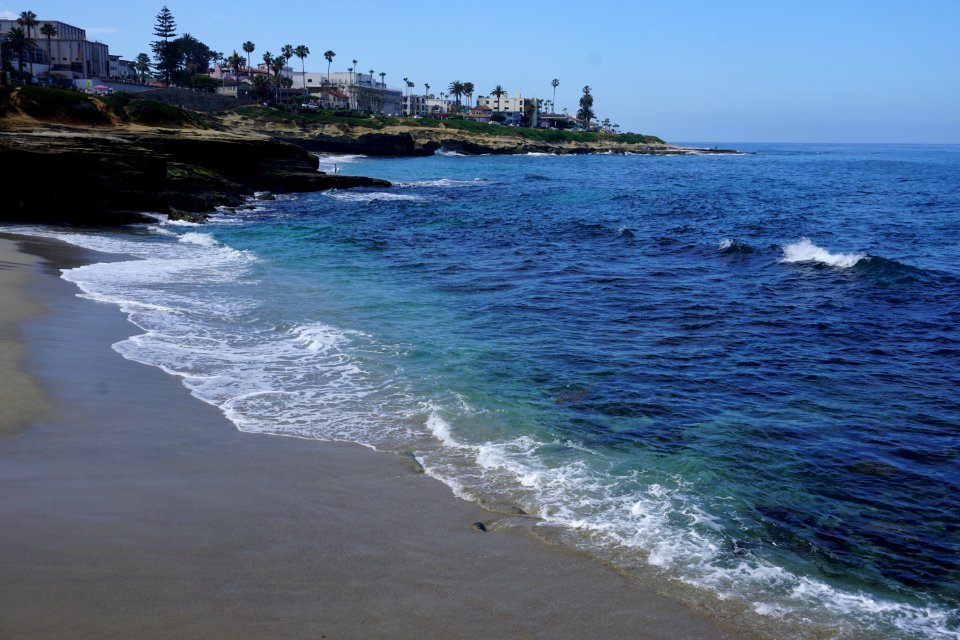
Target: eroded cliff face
110, 176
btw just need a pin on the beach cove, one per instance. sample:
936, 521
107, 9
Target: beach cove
713, 376
131, 509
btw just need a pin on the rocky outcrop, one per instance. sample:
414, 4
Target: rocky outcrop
368, 144
88, 177
423, 141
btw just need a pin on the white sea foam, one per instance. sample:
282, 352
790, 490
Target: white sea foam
805, 251
164, 221
196, 302
202, 239
440, 429
442, 182
448, 154
725, 244
181, 223
318, 337
375, 196
160, 229
331, 163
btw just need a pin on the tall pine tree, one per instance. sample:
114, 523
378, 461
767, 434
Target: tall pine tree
164, 51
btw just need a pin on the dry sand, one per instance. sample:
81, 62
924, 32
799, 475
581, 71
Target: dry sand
132, 510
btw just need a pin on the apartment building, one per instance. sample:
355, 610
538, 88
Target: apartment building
68, 55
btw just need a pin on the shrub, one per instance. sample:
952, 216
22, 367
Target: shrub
153, 112
51, 103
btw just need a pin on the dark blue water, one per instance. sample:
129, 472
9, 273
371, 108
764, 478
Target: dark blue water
740, 373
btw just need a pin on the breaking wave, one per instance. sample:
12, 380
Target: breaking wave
376, 196
805, 251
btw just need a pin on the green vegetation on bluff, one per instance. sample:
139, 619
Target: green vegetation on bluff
50, 103
539, 135
308, 117
127, 107
46, 103
318, 117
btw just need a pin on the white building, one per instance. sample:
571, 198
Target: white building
67, 55
438, 106
415, 105
365, 92
505, 104
122, 69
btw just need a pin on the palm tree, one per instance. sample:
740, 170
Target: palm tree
28, 20
406, 81
499, 93
277, 67
456, 90
383, 84
16, 40
353, 81
261, 86
302, 51
371, 78
248, 48
329, 55
236, 62
217, 58
50, 31
468, 89
410, 86
427, 90
287, 52
554, 83
142, 64
267, 63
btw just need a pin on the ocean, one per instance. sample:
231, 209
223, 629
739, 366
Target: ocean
736, 377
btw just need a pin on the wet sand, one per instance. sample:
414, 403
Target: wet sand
129, 509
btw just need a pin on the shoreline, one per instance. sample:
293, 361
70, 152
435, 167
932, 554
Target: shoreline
136, 509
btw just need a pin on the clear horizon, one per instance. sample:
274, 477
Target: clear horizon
843, 72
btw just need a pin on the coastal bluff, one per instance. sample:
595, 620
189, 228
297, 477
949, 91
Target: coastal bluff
84, 163
103, 160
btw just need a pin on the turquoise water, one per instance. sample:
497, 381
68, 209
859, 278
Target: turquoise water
734, 374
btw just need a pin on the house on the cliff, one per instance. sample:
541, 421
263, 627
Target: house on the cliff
479, 114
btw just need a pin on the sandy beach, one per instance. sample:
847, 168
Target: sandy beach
131, 509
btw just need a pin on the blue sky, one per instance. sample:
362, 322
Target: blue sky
686, 70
